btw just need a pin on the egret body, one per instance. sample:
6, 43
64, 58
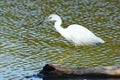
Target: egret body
76, 33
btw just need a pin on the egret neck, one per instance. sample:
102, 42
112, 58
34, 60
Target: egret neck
58, 26
60, 29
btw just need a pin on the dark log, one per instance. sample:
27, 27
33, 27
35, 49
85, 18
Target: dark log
52, 71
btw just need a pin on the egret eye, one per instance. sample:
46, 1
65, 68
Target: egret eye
50, 18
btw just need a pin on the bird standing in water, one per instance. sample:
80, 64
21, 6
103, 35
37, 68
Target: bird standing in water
78, 34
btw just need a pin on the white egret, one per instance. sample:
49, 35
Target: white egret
76, 33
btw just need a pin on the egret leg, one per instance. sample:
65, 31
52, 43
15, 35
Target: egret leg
78, 48
68, 55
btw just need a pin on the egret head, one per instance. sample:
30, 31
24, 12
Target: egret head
53, 17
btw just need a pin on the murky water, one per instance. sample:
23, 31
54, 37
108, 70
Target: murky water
26, 46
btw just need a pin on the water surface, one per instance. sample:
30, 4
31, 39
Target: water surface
26, 46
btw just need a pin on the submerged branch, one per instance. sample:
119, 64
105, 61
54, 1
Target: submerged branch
51, 71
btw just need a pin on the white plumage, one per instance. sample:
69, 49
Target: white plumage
75, 33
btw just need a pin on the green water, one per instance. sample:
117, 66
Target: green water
26, 46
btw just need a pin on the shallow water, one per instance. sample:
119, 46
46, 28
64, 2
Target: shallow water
26, 46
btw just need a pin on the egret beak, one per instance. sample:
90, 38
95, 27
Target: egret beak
47, 20
43, 21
